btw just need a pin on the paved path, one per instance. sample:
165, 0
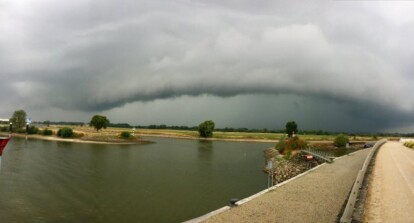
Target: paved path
391, 190
315, 197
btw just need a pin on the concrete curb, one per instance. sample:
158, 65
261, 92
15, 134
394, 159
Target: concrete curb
350, 206
208, 215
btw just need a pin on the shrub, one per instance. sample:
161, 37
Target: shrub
125, 135
78, 134
21, 131
65, 132
341, 140
270, 153
32, 130
294, 143
287, 147
280, 146
47, 132
4, 129
288, 154
409, 144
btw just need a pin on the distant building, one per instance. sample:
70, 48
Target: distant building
4, 121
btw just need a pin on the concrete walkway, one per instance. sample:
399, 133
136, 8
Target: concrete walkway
391, 189
315, 197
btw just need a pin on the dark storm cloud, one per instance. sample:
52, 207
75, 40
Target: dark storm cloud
101, 55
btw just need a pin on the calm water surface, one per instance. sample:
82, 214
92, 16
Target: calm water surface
169, 181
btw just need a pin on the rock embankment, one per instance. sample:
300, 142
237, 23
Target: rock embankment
284, 169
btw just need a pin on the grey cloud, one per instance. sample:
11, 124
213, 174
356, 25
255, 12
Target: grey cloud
102, 55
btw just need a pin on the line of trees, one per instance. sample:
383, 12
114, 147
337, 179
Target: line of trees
19, 121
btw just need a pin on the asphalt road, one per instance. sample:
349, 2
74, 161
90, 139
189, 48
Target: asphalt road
391, 189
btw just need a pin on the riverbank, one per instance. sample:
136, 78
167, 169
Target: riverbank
86, 134
78, 140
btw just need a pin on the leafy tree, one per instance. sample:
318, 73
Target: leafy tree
291, 127
18, 119
99, 122
341, 140
206, 128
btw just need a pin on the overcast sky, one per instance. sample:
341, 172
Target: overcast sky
331, 65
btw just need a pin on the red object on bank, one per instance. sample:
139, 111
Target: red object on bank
309, 157
3, 143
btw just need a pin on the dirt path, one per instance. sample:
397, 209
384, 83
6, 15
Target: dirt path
391, 190
315, 197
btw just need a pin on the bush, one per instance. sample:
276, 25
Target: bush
409, 144
280, 146
287, 147
78, 134
288, 154
125, 135
47, 132
270, 153
21, 131
341, 140
32, 130
65, 132
294, 143
4, 129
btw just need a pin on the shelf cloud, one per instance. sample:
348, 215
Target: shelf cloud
96, 56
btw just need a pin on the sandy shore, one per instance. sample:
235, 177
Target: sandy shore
79, 140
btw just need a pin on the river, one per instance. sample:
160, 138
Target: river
172, 180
